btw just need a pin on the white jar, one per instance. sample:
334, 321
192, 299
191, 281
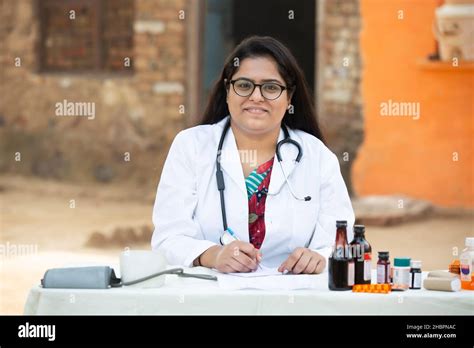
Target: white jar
401, 273
454, 30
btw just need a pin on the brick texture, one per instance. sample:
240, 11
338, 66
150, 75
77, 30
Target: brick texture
340, 100
131, 113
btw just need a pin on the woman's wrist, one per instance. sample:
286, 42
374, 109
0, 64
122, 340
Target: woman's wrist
208, 257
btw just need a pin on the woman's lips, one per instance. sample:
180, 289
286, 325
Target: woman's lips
255, 111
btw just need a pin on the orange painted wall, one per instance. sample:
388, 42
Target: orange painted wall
401, 155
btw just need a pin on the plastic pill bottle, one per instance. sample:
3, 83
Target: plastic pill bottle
467, 265
401, 273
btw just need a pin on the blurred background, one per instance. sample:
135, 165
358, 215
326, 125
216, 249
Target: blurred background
92, 93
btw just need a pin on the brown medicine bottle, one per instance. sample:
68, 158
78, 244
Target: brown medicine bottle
383, 268
362, 253
341, 264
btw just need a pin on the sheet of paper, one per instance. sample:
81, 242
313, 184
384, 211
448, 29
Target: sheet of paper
261, 271
268, 279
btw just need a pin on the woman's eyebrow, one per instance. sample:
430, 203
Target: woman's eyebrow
272, 80
264, 80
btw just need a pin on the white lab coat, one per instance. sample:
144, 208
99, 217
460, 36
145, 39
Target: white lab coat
187, 211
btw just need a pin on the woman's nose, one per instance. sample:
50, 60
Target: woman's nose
257, 94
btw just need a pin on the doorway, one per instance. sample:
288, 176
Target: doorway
227, 22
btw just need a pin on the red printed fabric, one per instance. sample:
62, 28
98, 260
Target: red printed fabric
257, 188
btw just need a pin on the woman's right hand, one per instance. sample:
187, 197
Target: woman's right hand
237, 256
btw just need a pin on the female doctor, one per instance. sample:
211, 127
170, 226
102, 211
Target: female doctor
254, 183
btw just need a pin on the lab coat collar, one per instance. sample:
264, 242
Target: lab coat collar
230, 160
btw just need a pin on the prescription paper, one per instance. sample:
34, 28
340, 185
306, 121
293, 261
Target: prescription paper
267, 279
261, 271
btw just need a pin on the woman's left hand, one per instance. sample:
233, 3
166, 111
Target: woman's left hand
303, 260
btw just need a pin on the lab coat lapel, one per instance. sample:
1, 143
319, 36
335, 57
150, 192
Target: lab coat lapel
288, 155
235, 193
230, 161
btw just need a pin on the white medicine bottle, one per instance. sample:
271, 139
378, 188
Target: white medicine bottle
467, 265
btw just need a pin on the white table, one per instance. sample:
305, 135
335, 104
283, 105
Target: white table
183, 296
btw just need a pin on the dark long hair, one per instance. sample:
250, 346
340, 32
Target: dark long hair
304, 117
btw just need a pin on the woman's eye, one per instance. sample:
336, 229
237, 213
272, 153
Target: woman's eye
244, 85
272, 88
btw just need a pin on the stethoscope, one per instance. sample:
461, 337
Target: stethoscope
228, 234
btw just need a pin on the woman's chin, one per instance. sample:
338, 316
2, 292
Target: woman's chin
256, 126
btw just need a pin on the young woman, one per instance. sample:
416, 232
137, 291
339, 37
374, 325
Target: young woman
254, 183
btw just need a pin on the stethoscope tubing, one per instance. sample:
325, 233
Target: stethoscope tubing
220, 176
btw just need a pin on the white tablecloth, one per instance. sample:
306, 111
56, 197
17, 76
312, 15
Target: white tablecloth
195, 296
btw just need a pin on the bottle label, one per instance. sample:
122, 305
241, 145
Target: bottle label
350, 273
381, 276
367, 266
401, 276
367, 270
466, 269
416, 282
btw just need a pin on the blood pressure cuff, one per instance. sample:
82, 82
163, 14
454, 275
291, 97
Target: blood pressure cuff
97, 277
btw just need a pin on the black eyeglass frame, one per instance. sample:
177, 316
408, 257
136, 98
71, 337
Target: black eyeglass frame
255, 85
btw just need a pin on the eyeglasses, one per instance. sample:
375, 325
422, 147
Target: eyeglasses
269, 90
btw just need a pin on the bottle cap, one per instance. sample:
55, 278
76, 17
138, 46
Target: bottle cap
359, 229
341, 223
470, 241
415, 264
401, 262
384, 255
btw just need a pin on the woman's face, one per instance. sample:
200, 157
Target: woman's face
255, 114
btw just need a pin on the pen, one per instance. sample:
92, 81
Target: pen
232, 233
259, 266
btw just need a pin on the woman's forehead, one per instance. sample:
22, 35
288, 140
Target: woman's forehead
258, 69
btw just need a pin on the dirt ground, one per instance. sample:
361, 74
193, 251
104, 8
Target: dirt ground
41, 228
